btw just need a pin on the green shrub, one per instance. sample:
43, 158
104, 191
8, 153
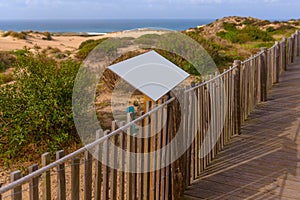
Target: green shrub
5, 78
229, 26
276, 22
55, 50
262, 23
256, 34
248, 21
212, 48
47, 36
37, 108
285, 30
7, 60
270, 29
147, 39
247, 34
60, 56
87, 46
21, 35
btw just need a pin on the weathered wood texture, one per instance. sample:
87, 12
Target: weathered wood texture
262, 162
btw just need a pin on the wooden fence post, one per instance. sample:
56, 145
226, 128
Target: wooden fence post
87, 175
191, 134
75, 179
297, 43
277, 62
129, 186
105, 170
264, 75
122, 141
140, 163
98, 168
61, 177
284, 56
0, 194
291, 48
16, 193
0, 188
238, 96
34, 184
46, 183
114, 153
146, 178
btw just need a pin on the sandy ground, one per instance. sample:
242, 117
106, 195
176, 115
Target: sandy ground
62, 42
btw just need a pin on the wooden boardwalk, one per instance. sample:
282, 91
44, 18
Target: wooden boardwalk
264, 161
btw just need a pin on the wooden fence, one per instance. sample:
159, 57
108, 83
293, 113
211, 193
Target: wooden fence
206, 115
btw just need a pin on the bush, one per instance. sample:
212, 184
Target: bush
37, 108
87, 46
7, 60
47, 36
247, 34
147, 39
285, 30
262, 23
229, 26
248, 21
255, 34
21, 35
212, 48
5, 78
270, 29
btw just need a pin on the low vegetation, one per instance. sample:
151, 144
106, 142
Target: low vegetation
247, 34
47, 36
18, 35
7, 60
87, 46
36, 111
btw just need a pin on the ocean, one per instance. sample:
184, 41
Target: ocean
99, 26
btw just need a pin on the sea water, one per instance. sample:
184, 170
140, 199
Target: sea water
99, 26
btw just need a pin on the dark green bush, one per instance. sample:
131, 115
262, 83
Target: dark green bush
5, 78
248, 21
7, 60
262, 23
256, 34
36, 110
47, 36
270, 29
87, 46
229, 26
247, 34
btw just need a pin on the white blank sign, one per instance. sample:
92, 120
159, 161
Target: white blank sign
150, 73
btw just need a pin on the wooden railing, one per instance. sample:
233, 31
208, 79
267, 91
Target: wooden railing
206, 116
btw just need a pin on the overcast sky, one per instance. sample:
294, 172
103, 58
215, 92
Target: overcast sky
98, 9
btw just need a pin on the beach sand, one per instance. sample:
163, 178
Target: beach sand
62, 42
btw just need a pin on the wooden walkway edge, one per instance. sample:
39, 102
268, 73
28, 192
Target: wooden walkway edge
264, 161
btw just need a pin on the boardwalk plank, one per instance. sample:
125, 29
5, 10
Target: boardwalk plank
262, 162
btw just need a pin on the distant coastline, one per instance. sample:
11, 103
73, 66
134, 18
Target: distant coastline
99, 27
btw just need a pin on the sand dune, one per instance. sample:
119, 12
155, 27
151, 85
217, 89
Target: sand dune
62, 42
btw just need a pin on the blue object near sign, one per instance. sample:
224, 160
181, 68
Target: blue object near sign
130, 109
